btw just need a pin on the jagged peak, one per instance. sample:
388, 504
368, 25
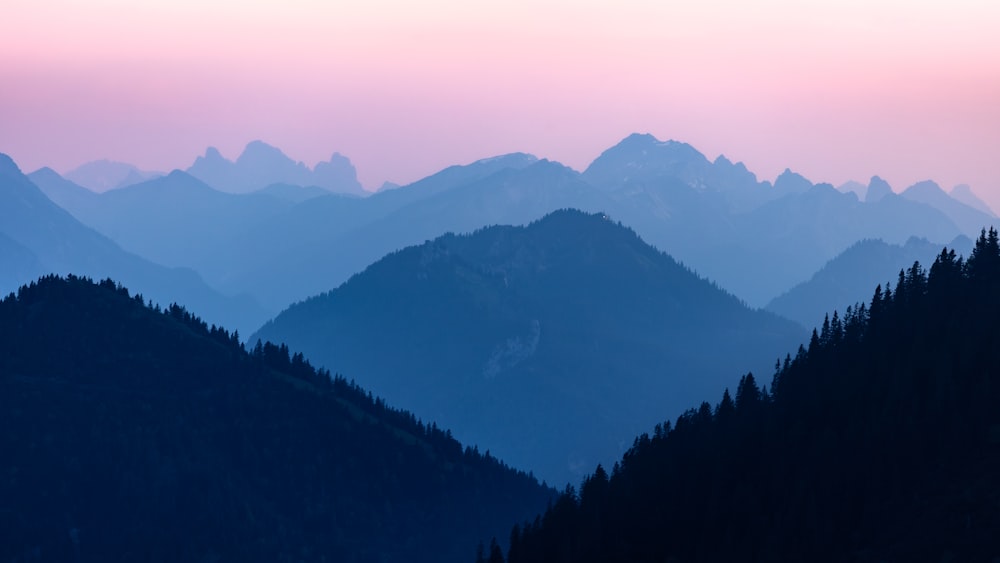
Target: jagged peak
877, 189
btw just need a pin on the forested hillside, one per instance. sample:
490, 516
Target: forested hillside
880, 441
130, 433
551, 344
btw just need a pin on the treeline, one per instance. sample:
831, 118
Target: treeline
879, 441
130, 432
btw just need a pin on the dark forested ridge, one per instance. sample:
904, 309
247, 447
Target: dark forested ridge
551, 344
131, 433
878, 442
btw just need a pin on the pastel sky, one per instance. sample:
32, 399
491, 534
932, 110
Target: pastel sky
836, 90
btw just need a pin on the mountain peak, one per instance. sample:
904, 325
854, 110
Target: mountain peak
877, 189
261, 165
637, 138
212, 153
792, 182
642, 158
519, 158
260, 151
926, 187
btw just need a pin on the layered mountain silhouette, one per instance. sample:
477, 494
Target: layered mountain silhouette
43, 238
753, 238
260, 165
359, 233
969, 219
548, 344
878, 442
964, 194
849, 278
140, 433
176, 220
103, 175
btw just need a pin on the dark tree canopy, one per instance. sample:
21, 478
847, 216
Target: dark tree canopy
133, 433
880, 442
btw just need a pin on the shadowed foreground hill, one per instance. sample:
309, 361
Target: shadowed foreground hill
551, 345
133, 434
880, 442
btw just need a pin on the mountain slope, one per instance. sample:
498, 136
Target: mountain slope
135, 434
847, 279
548, 344
964, 194
881, 442
60, 244
969, 219
64, 193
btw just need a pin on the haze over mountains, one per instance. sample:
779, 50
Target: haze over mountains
550, 344
878, 442
38, 237
572, 311
260, 165
753, 238
845, 280
103, 175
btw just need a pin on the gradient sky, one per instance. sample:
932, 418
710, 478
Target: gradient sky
836, 90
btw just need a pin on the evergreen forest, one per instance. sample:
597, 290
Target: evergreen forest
878, 441
134, 433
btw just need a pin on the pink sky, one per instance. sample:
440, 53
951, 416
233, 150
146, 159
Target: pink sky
836, 90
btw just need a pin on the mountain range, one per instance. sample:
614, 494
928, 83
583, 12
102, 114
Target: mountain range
38, 237
260, 165
550, 345
753, 238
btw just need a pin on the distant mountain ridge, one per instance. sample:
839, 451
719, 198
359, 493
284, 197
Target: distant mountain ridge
103, 175
755, 238
43, 238
260, 165
546, 344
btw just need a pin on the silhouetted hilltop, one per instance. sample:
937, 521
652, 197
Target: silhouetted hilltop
878, 442
548, 344
132, 433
